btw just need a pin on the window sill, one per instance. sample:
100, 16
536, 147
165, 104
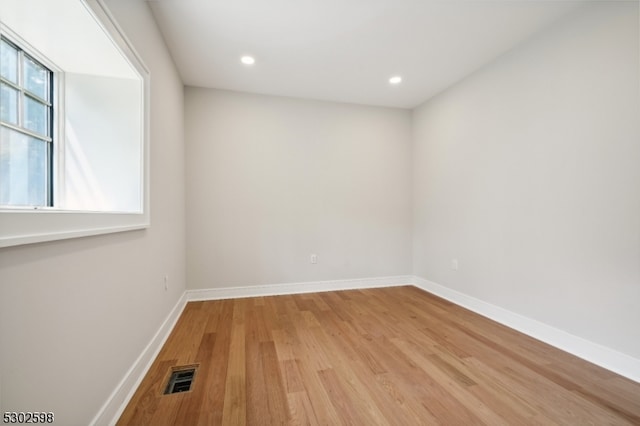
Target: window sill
19, 227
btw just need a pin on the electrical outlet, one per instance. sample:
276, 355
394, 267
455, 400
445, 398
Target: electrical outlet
454, 264
166, 282
313, 258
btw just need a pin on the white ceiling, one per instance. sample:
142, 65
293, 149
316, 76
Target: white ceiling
345, 50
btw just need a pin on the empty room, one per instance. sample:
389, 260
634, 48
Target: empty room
365, 212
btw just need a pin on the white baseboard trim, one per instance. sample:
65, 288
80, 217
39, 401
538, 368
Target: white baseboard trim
602, 356
116, 403
297, 288
112, 409
610, 359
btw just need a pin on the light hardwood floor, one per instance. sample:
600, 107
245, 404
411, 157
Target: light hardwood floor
396, 356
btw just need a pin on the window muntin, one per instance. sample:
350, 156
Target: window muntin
101, 142
26, 128
8, 61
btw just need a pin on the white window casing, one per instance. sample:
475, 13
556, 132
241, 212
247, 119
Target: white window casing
118, 165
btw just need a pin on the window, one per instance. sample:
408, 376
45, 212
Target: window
26, 128
74, 123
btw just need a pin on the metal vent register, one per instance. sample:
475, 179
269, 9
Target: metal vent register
180, 380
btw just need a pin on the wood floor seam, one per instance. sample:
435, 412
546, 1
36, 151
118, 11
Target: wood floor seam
383, 356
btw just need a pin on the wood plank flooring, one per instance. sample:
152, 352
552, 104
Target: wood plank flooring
396, 356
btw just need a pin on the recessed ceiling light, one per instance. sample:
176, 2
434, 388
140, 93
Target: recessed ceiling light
396, 79
248, 60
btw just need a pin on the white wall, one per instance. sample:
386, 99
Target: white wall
75, 314
528, 173
271, 180
102, 156
92, 53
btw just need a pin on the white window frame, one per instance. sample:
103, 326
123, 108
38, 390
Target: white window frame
56, 176
40, 224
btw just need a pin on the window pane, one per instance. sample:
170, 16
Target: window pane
8, 104
23, 169
8, 62
35, 78
35, 116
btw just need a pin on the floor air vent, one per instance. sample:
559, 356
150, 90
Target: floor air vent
180, 380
